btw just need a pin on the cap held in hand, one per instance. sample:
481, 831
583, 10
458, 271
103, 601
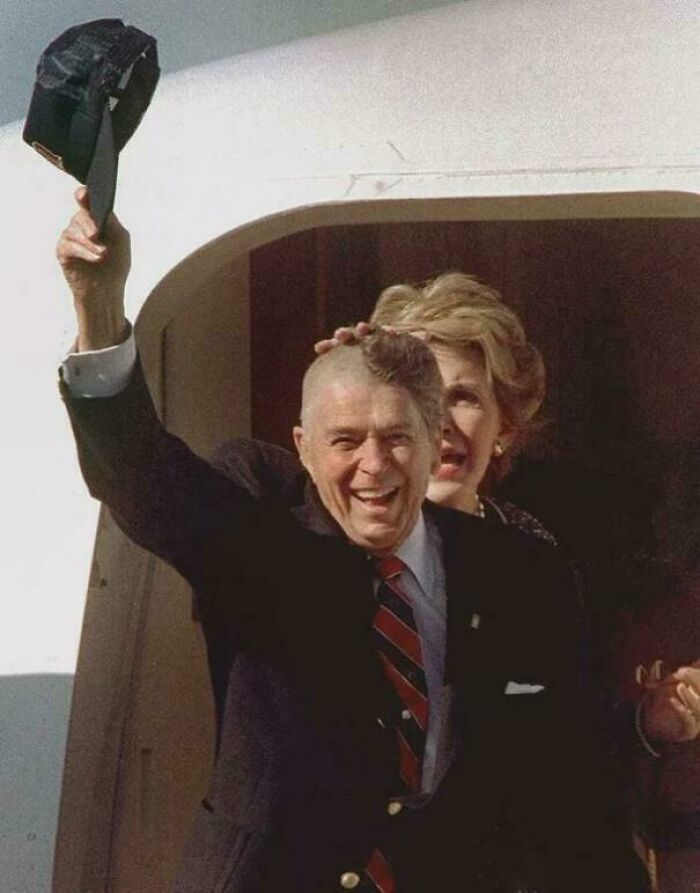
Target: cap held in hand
93, 85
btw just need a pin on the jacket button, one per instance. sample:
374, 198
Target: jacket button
349, 880
394, 807
405, 714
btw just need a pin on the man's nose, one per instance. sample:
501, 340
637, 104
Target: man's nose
373, 457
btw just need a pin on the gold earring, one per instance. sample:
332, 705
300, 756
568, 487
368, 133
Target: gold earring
497, 449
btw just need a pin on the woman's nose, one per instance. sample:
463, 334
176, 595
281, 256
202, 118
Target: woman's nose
448, 424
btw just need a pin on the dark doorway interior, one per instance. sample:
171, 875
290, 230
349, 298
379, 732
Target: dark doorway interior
613, 306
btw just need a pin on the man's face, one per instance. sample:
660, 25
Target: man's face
366, 448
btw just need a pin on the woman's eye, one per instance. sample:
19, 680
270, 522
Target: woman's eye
465, 397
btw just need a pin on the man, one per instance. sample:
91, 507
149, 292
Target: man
419, 733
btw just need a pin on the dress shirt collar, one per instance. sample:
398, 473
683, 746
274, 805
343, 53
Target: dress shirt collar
414, 551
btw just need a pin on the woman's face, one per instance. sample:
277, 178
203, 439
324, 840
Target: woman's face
471, 425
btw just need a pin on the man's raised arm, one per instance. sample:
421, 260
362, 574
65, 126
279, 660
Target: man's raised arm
96, 272
163, 496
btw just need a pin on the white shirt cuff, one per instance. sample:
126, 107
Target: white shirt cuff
100, 373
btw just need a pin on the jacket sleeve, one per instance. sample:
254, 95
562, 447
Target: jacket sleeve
173, 503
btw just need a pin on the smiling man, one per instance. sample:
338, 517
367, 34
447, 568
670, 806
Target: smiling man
368, 444
392, 714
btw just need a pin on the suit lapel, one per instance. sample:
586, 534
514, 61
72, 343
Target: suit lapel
351, 609
472, 555
474, 603
472, 552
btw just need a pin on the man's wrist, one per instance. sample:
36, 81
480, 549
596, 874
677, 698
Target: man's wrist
100, 373
106, 327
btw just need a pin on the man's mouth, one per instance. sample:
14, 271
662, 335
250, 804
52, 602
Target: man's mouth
376, 496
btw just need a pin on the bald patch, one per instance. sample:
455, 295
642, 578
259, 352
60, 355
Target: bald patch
390, 358
341, 364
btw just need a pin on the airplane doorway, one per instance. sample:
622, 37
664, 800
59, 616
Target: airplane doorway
611, 303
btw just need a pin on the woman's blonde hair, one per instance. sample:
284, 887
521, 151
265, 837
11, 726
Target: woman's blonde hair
462, 312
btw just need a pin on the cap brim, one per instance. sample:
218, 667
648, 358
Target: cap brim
101, 180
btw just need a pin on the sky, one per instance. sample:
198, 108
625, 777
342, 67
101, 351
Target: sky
188, 33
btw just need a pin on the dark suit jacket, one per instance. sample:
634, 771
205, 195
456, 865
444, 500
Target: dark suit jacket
305, 768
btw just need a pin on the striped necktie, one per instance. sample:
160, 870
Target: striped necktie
396, 637
398, 643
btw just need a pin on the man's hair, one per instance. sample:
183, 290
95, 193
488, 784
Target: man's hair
462, 312
394, 358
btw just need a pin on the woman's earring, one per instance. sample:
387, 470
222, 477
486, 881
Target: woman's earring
497, 449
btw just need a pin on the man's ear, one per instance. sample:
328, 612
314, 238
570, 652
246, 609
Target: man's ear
300, 444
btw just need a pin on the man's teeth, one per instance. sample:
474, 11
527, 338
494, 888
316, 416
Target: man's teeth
374, 495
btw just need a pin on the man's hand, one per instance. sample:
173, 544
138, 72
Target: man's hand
671, 707
96, 273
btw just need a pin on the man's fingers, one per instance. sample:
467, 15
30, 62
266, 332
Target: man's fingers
84, 232
70, 249
83, 217
82, 224
78, 240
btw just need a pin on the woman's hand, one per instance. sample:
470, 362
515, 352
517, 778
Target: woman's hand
344, 335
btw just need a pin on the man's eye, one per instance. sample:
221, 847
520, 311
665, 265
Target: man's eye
343, 443
399, 439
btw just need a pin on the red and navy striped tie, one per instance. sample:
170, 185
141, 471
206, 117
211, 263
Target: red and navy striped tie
398, 643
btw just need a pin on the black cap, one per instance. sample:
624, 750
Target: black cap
93, 85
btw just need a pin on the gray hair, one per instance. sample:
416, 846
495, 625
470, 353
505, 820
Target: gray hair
394, 358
